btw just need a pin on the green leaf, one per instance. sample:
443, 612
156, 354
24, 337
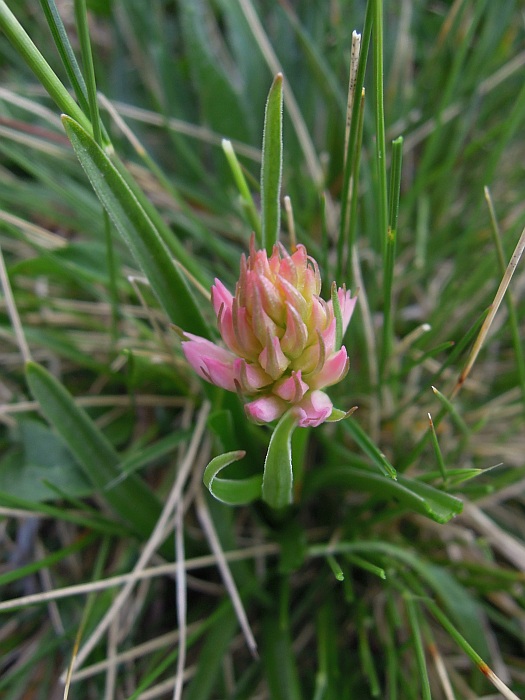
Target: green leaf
138, 231
42, 458
130, 498
277, 485
272, 164
368, 447
412, 494
232, 492
279, 659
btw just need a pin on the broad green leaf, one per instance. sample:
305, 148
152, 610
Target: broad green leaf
129, 497
412, 494
42, 457
277, 485
272, 165
138, 231
233, 492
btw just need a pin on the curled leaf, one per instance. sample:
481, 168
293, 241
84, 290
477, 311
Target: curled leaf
233, 492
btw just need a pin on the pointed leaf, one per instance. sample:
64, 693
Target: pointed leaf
139, 232
278, 474
412, 494
272, 163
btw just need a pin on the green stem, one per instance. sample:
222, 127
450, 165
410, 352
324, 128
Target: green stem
390, 254
380, 122
89, 69
352, 153
37, 63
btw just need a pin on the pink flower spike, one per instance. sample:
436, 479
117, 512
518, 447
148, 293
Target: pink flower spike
279, 337
210, 361
314, 409
265, 409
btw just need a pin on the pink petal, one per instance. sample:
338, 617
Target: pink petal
294, 297
272, 358
347, 303
250, 377
328, 336
249, 346
291, 389
226, 328
265, 409
210, 361
333, 370
271, 300
296, 334
262, 324
314, 409
219, 296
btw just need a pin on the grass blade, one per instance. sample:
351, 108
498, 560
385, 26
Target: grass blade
131, 498
138, 231
34, 59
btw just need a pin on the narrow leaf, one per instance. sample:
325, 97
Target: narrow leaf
137, 229
412, 494
272, 162
368, 447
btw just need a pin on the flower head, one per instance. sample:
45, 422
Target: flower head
280, 336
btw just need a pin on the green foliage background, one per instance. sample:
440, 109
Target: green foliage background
369, 587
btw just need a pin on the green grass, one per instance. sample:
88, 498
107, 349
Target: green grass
115, 561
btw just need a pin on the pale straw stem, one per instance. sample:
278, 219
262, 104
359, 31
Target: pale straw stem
222, 564
13, 311
155, 539
511, 268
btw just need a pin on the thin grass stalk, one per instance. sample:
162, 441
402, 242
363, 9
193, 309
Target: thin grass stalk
98, 132
367, 658
37, 63
89, 68
417, 641
154, 541
502, 289
435, 141
437, 451
12, 310
468, 649
390, 256
513, 317
66, 52
351, 154
244, 191
100, 562
354, 195
382, 195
